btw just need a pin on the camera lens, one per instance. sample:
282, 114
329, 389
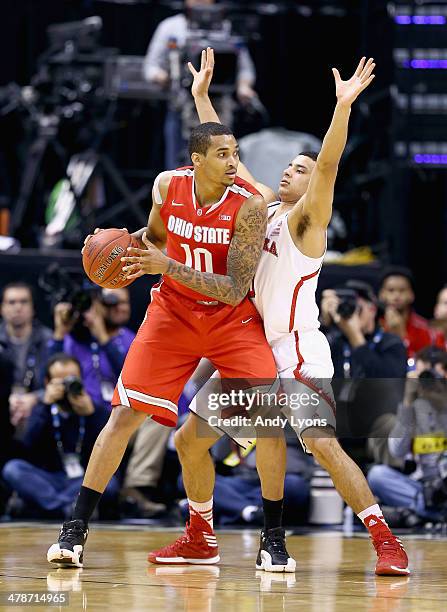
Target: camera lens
73, 385
348, 302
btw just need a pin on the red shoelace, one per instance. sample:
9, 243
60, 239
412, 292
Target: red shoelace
385, 542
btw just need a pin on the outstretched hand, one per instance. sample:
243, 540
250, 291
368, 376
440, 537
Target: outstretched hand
348, 91
144, 261
202, 78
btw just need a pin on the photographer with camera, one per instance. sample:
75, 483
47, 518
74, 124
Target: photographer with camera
420, 430
165, 58
369, 365
97, 337
58, 440
23, 341
360, 348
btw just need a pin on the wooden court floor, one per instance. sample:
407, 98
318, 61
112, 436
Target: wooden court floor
334, 573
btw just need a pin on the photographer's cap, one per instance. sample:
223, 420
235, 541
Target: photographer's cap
362, 289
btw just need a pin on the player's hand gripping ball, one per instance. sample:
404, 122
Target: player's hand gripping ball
101, 257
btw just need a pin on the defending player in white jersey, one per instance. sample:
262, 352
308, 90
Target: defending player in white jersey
284, 293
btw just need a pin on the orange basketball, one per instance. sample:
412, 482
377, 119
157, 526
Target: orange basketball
102, 258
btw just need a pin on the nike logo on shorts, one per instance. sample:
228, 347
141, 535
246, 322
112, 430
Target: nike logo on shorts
174, 203
247, 321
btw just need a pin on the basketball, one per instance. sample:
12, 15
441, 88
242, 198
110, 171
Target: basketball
102, 258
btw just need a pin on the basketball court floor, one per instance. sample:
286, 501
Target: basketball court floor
334, 573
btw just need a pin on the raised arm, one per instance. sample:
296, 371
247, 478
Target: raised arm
316, 204
243, 257
206, 112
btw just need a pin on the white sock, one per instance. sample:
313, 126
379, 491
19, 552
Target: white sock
374, 511
204, 509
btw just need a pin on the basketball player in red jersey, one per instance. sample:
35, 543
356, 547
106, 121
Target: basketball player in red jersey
213, 225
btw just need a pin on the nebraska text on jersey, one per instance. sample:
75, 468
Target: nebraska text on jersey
285, 282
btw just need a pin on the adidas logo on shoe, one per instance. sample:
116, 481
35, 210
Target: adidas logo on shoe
372, 522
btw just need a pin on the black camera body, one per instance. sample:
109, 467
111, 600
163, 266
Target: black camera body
348, 302
431, 381
73, 385
430, 374
62, 285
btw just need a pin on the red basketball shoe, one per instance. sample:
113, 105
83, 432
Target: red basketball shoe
196, 546
392, 558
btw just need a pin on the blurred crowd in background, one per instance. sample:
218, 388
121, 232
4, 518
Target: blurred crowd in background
56, 385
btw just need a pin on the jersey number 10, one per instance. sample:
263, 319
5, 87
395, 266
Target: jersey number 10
200, 255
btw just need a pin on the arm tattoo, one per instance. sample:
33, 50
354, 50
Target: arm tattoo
243, 256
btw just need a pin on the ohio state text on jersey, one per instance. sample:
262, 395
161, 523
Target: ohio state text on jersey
200, 237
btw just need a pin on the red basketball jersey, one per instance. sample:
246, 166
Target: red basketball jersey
200, 237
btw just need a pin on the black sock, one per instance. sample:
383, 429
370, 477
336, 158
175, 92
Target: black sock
85, 504
272, 513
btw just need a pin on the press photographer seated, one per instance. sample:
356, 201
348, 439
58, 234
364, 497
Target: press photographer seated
92, 330
58, 440
362, 351
360, 347
420, 429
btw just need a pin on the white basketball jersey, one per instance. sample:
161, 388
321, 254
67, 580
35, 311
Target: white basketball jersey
285, 283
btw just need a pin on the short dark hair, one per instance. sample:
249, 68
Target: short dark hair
312, 154
397, 271
363, 290
16, 285
60, 358
200, 139
433, 355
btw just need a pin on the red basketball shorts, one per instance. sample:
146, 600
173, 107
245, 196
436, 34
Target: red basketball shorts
175, 334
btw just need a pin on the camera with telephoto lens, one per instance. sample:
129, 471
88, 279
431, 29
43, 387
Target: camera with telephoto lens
432, 385
73, 385
60, 285
428, 377
348, 302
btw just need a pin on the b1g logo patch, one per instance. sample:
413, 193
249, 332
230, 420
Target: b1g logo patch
225, 218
